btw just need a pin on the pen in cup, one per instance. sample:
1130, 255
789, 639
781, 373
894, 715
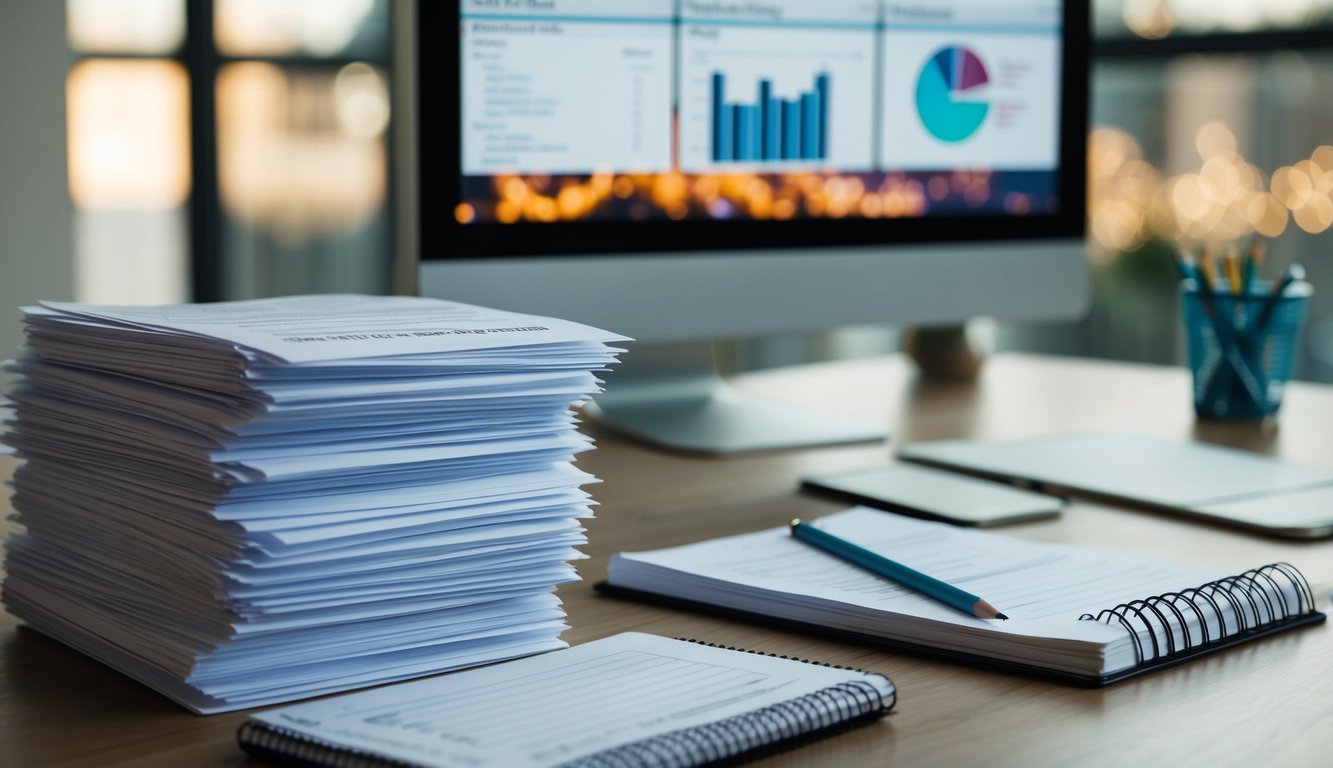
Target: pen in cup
1205, 278
1292, 274
1241, 329
1254, 256
878, 564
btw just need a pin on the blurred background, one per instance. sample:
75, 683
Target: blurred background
159, 151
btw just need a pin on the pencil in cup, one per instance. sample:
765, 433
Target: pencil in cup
1266, 343
896, 572
1233, 370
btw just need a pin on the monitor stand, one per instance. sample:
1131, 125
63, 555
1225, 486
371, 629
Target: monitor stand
672, 396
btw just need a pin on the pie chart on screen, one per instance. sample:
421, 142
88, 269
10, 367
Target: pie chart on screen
950, 94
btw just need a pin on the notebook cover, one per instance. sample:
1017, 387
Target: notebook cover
290, 747
968, 659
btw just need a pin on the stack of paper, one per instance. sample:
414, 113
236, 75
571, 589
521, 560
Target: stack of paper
253, 502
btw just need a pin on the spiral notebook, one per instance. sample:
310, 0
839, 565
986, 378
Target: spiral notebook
1078, 615
630, 699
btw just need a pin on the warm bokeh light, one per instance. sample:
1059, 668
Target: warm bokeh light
678, 196
125, 26
1315, 216
288, 27
1223, 201
1158, 18
288, 164
1215, 140
1323, 157
128, 130
1267, 215
1151, 19
362, 99
1292, 186
1121, 192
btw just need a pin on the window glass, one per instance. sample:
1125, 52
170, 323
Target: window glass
129, 178
316, 28
303, 175
125, 26
128, 134
1159, 18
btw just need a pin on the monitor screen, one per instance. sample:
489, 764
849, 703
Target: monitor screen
593, 126
683, 171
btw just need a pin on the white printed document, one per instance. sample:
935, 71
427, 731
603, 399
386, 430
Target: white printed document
301, 329
245, 503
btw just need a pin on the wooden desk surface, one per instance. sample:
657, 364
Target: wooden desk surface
1267, 704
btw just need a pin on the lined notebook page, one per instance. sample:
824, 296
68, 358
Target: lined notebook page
1028, 581
1042, 587
557, 707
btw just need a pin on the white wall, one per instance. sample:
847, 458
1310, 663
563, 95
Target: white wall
36, 240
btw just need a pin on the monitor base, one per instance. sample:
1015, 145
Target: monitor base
671, 395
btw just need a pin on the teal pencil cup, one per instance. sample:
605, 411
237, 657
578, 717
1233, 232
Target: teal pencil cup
1241, 349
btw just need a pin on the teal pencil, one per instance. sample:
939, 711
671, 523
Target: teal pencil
1184, 262
1253, 258
878, 564
1294, 273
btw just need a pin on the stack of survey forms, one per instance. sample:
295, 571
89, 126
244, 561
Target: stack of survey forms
252, 502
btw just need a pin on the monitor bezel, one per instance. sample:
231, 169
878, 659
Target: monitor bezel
442, 238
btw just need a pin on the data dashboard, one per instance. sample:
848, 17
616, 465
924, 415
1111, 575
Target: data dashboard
934, 105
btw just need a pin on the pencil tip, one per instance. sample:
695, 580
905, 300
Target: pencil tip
1001, 616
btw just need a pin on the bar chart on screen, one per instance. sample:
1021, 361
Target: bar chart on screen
771, 127
790, 91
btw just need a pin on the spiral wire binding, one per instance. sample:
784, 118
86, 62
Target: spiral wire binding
777, 726
774, 728
280, 746
1247, 603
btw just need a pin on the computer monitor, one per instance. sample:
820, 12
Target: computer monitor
682, 171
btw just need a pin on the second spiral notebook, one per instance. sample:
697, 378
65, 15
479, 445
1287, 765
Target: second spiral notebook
631, 699
1079, 615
